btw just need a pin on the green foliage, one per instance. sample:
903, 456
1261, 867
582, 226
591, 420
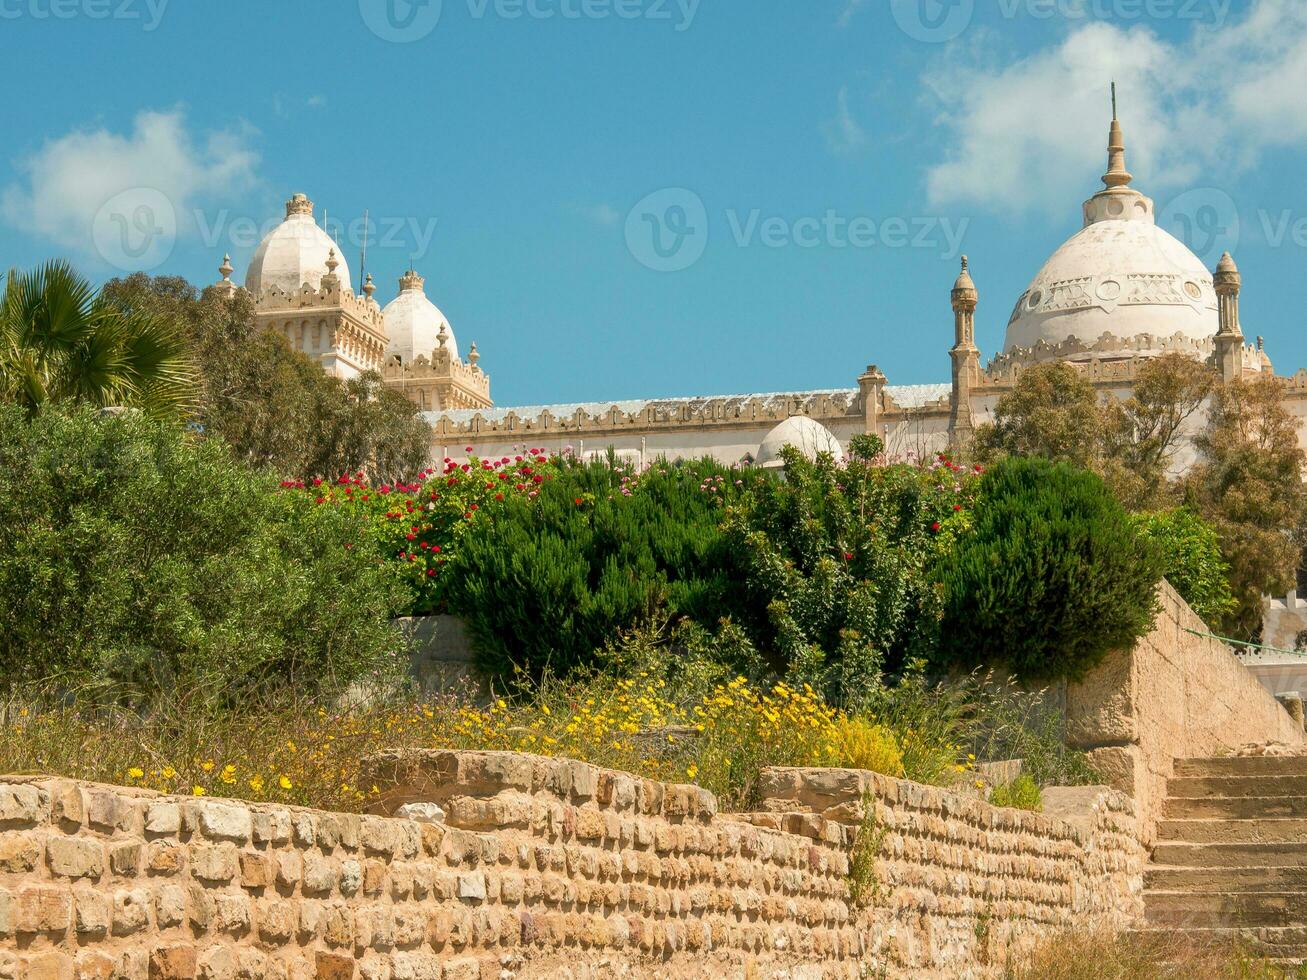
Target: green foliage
868, 843
1052, 576
552, 577
1052, 412
1248, 485
1191, 560
133, 553
833, 563
1020, 794
60, 342
273, 405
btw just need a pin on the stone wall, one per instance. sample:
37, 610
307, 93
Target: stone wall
1176, 695
543, 868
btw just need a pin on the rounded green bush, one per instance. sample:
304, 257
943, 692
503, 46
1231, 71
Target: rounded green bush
135, 553
1052, 577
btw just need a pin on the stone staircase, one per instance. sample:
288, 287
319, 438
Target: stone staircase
1230, 859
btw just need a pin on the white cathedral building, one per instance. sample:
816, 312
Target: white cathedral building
1118, 292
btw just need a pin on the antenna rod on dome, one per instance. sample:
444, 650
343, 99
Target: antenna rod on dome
363, 259
1114, 100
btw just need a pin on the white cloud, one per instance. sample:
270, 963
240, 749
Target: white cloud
601, 214
843, 133
851, 8
1203, 108
70, 178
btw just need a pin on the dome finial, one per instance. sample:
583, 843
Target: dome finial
299, 204
410, 280
473, 355
225, 270
369, 287
1117, 175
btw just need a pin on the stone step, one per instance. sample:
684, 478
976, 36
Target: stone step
1239, 855
1199, 880
1261, 765
1225, 910
1283, 830
1234, 807
1275, 942
1199, 787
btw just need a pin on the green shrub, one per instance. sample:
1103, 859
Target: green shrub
546, 581
833, 566
1020, 794
1191, 560
1052, 576
134, 553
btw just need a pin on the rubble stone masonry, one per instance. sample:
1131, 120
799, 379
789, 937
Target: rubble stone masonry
548, 868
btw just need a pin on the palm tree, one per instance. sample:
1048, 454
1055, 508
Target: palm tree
62, 341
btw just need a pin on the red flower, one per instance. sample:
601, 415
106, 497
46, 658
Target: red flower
431, 572
848, 556
957, 507
410, 537
935, 526
579, 501
436, 548
499, 496
538, 478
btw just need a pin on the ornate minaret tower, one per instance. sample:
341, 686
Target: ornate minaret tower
1229, 338
966, 358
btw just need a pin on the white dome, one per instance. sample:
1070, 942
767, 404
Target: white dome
294, 253
413, 323
1120, 275
806, 435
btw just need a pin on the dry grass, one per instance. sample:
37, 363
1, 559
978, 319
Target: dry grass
1143, 956
308, 751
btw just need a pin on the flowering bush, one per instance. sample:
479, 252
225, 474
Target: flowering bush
834, 560
421, 524
308, 752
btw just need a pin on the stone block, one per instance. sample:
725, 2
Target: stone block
173, 962
1102, 708
130, 911
42, 908
125, 859
170, 906
271, 826
223, 821
163, 818
333, 966
49, 966
19, 853
94, 913
21, 805
214, 863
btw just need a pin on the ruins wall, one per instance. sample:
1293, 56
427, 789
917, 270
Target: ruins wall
548, 868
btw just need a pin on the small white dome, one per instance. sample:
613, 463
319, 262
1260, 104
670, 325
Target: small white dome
806, 435
295, 253
413, 323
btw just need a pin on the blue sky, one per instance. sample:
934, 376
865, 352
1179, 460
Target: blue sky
812, 170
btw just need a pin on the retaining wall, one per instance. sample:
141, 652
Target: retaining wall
547, 868
1176, 695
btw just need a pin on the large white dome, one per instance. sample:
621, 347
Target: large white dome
1120, 275
294, 253
806, 435
413, 323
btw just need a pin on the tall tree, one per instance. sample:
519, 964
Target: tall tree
1052, 412
1249, 485
61, 342
274, 405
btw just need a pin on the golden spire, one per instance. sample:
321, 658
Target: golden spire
1117, 175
